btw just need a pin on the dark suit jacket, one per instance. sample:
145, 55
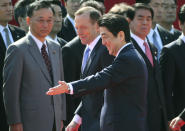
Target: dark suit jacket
177, 33
156, 116
72, 54
17, 33
166, 36
173, 70
125, 82
67, 32
91, 104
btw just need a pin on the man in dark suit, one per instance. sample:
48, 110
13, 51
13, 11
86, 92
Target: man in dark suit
14, 33
124, 81
157, 35
34, 64
140, 26
89, 109
57, 23
178, 122
68, 31
173, 71
72, 56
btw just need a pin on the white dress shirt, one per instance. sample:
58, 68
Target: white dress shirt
139, 41
3, 34
38, 42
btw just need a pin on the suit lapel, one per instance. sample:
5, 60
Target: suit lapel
142, 53
34, 51
53, 58
91, 57
15, 35
2, 45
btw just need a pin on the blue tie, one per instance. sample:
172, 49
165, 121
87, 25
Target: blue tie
85, 58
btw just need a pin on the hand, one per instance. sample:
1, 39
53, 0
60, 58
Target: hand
59, 89
73, 126
16, 127
176, 124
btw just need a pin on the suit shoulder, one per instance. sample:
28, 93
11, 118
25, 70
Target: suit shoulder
173, 44
21, 43
17, 29
55, 44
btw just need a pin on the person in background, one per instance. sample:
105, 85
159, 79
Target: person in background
169, 17
8, 35
173, 71
157, 36
68, 31
32, 65
95, 4
123, 9
20, 15
140, 26
57, 23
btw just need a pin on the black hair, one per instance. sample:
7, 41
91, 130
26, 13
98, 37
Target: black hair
138, 6
115, 23
20, 9
181, 14
37, 5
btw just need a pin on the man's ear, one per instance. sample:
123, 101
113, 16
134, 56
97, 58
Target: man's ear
97, 27
28, 20
121, 35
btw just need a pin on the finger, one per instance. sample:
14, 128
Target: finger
61, 82
172, 123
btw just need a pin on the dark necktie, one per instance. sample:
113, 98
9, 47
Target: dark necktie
148, 53
85, 58
47, 60
8, 41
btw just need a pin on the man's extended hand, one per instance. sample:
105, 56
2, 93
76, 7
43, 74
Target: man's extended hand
16, 127
176, 124
73, 126
59, 89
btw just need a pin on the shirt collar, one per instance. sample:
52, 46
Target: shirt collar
150, 35
37, 41
138, 39
2, 28
93, 43
122, 48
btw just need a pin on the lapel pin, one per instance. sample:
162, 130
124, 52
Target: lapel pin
54, 52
